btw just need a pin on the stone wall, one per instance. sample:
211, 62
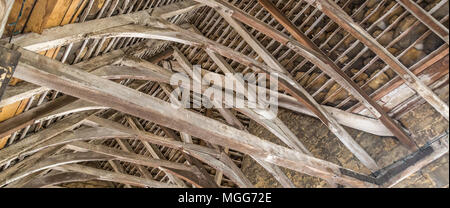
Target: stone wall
423, 122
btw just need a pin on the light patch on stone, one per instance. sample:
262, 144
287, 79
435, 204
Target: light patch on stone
382, 25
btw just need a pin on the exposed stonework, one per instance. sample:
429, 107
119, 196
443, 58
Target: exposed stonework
423, 122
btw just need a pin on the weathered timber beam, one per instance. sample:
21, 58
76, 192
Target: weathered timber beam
26, 90
118, 168
154, 151
355, 121
53, 108
396, 100
276, 126
127, 156
9, 58
145, 71
175, 9
286, 81
67, 104
22, 91
438, 63
114, 177
58, 36
174, 36
70, 80
5, 10
53, 161
397, 172
161, 56
198, 40
233, 172
334, 12
340, 76
228, 170
27, 163
125, 146
28, 118
13, 151
83, 134
59, 178
75, 107
302, 95
426, 18
154, 139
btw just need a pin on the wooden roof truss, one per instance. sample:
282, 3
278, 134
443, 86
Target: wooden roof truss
110, 88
